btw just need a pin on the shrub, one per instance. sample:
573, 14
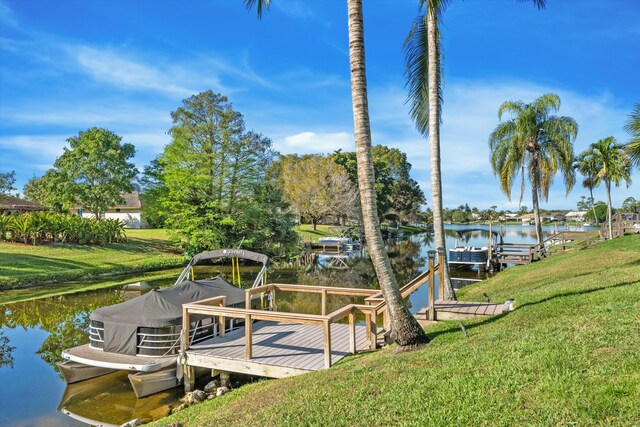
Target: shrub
40, 227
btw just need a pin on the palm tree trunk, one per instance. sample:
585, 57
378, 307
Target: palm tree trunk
593, 205
405, 330
607, 184
434, 146
534, 198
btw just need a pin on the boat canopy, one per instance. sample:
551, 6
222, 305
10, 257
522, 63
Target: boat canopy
157, 309
230, 253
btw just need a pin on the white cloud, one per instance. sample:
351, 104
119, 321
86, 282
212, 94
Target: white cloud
112, 67
310, 142
46, 146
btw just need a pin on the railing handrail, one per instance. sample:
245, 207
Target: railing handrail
374, 303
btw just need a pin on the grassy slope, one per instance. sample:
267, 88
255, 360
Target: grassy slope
569, 354
307, 233
24, 265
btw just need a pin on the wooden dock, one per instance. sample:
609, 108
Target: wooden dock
280, 349
461, 310
281, 344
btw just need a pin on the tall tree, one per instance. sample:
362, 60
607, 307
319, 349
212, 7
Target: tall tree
316, 186
92, 172
424, 80
405, 330
7, 180
586, 165
613, 166
214, 171
633, 127
537, 141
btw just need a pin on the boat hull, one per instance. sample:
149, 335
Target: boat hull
148, 383
74, 372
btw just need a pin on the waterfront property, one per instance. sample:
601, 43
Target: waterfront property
129, 211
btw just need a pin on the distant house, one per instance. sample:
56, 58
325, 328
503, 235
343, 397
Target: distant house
10, 204
577, 216
129, 211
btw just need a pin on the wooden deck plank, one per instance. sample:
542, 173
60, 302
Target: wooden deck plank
277, 344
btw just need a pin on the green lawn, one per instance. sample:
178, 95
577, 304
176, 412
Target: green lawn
27, 265
568, 355
308, 234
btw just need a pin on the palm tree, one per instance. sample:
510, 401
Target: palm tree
424, 80
536, 141
405, 330
612, 165
586, 165
633, 127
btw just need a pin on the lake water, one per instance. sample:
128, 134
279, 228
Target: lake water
33, 333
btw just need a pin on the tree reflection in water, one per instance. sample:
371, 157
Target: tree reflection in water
65, 318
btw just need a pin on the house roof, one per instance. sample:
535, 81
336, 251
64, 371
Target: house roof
129, 201
13, 203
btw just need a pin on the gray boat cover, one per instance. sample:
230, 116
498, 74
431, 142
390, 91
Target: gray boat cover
157, 309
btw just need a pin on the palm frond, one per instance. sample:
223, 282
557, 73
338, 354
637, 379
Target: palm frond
416, 51
633, 127
261, 6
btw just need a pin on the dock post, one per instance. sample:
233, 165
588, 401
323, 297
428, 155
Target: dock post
324, 302
189, 378
441, 261
352, 332
248, 337
225, 378
327, 344
431, 286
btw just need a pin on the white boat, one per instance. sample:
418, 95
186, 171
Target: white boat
143, 334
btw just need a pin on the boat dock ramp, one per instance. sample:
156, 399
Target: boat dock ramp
284, 344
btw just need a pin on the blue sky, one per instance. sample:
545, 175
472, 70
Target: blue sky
69, 65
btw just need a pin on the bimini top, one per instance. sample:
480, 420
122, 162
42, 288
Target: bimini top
230, 253
156, 309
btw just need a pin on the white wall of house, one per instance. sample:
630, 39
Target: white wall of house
132, 219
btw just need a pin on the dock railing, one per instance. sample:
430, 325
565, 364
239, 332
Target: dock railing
374, 305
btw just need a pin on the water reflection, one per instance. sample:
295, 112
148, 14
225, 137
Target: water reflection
34, 333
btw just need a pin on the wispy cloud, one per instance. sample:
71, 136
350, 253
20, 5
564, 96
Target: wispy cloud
311, 142
112, 67
7, 17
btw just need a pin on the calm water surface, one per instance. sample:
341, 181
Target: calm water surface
33, 333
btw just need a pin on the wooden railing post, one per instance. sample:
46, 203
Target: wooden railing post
431, 294
327, 344
247, 299
272, 302
324, 302
374, 329
185, 327
352, 332
441, 261
248, 337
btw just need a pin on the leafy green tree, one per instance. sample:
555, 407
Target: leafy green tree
633, 127
154, 191
585, 164
629, 204
317, 186
92, 172
6, 182
598, 214
536, 141
214, 171
52, 189
383, 182
612, 166
396, 191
